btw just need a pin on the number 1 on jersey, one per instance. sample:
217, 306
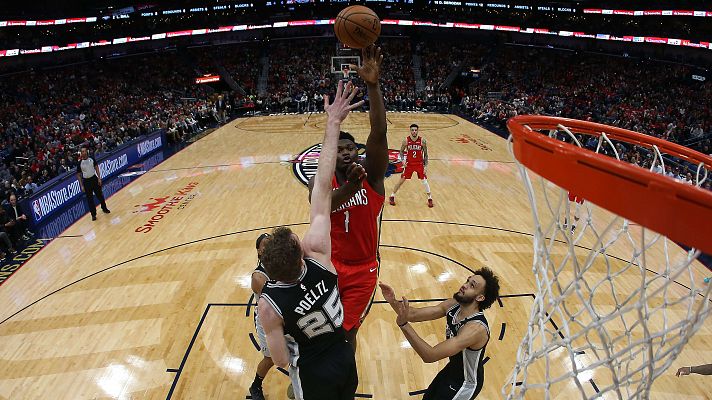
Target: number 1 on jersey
346, 220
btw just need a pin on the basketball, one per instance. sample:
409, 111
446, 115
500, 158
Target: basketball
357, 27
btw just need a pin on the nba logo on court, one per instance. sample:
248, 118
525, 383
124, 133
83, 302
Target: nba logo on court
305, 163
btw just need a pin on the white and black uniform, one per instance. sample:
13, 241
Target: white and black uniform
463, 376
322, 362
86, 169
261, 336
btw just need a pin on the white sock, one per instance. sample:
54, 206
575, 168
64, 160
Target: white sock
427, 187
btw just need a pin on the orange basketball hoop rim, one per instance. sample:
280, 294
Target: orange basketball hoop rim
680, 211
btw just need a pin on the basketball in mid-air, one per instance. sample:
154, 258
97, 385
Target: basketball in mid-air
357, 27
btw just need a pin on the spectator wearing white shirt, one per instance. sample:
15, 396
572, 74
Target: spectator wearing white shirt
30, 187
696, 132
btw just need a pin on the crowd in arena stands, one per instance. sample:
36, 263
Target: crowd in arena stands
46, 116
654, 98
682, 27
439, 61
678, 169
437, 64
397, 78
298, 80
14, 227
241, 61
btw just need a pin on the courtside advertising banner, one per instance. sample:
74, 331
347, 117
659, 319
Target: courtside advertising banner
57, 194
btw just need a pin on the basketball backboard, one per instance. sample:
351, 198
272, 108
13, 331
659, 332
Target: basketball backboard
341, 63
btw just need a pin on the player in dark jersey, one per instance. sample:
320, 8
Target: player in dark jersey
466, 335
415, 160
258, 280
301, 310
357, 203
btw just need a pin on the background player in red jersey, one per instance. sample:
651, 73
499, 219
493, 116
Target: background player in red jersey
357, 203
574, 198
416, 160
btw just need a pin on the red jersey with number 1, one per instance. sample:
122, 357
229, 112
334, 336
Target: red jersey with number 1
355, 226
415, 151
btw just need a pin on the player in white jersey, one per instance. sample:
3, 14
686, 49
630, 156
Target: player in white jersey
466, 335
258, 280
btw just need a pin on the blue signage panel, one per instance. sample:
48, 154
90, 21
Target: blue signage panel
55, 195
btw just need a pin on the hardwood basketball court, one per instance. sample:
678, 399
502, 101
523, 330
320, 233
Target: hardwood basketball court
153, 301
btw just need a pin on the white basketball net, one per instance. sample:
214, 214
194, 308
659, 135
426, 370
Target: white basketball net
609, 316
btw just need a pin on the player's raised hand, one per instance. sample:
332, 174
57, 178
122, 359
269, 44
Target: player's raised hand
388, 293
356, 173
402, 309
340, 108
370, 69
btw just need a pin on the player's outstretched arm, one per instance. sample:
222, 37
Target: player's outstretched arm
274, 329
317, 240
705, 369
376, 162
416, 314
472, 335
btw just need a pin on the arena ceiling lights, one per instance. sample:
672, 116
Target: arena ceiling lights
399, 22
131, 11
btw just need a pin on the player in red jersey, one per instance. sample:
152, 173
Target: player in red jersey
578, 200
357, 202
416, 160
